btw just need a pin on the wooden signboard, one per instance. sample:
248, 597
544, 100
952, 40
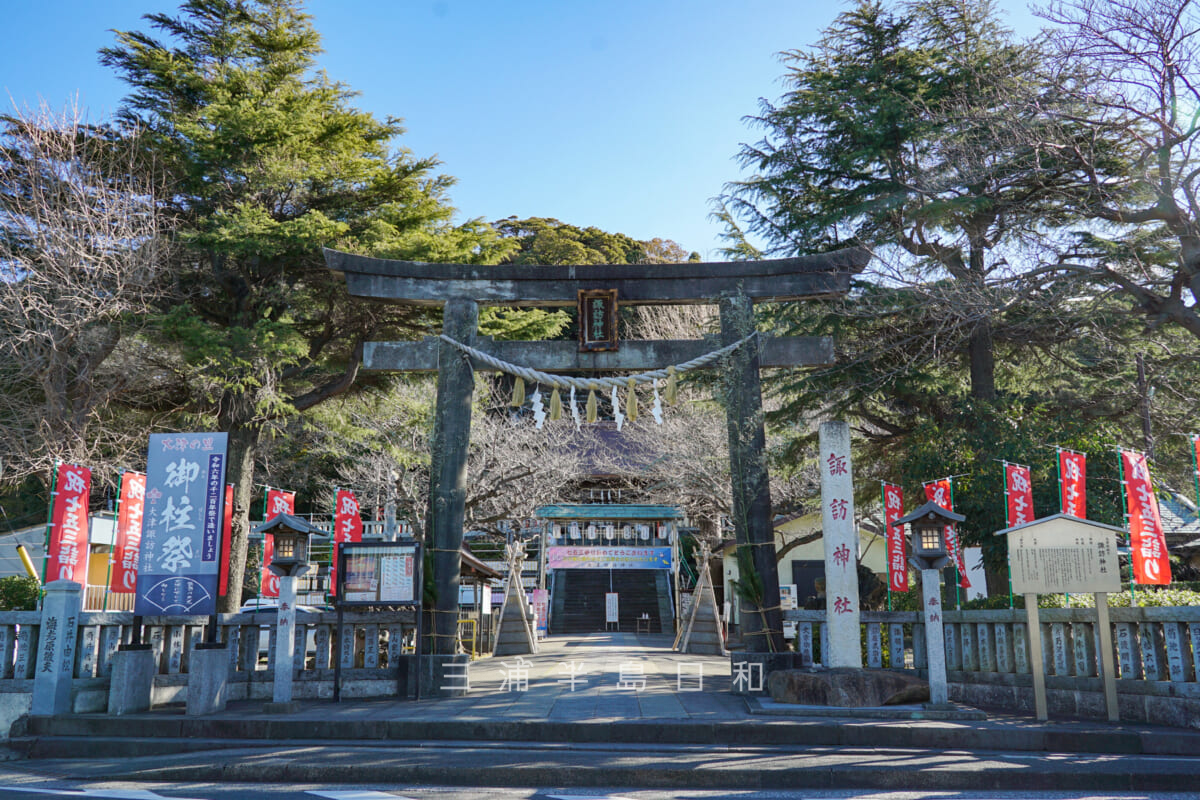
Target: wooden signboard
597, 320
1064, 554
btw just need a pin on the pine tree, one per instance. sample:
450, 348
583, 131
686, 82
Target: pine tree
271, 161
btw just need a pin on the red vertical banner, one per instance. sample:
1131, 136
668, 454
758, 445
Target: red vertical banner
893, 509
226, 541
129, 533
347, 527
278, 502
1146, 540
67, 558
940, 492
1072, 477
1018, 494
1195, 439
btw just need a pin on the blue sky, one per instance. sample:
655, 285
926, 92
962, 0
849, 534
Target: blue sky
624, 115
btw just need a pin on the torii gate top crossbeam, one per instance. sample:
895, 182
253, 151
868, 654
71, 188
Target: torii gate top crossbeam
412, 282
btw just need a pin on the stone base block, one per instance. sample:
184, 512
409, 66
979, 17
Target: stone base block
208, 680
757, 666
132, 680
290, 707
846, 687
440, 675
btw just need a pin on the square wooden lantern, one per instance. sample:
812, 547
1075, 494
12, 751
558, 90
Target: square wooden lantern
928, 528
292, 536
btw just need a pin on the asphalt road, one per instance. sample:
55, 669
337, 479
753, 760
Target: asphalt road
535, 769
22, 785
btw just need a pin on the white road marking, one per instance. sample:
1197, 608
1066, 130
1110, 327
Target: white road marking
359, 795
587, 797
112, 794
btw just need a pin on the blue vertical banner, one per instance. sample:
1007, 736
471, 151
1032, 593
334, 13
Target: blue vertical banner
179, 563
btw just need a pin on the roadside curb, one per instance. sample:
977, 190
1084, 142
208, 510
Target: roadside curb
114, 736
731, 769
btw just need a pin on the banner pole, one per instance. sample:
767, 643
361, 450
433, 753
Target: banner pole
49, 526
888, 534
112, 553
1007, 524
958, 539
1196, 471
1125, 516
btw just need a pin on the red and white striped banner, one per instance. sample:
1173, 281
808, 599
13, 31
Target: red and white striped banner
67, 558
347, 527
129, 533
278, 502
1018, 494
1146, 540
1072, 480
893, 509
940, 492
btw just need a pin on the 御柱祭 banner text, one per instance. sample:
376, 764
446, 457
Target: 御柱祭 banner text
179, 563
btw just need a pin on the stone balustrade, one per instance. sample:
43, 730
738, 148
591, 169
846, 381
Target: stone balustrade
1157, 653
370, 654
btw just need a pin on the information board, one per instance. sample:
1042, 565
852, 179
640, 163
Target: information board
1063, 554
610, 607
379, 573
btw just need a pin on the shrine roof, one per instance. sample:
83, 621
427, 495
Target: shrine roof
608, 511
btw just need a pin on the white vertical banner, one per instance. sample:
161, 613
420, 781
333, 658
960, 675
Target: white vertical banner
841, 547
973, 557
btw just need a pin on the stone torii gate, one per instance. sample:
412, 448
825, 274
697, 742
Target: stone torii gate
461, 288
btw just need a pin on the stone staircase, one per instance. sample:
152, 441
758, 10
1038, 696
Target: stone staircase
579, 600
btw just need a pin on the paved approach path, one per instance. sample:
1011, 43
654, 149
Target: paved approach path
595, 677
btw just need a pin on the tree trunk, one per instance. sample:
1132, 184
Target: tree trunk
980, 347
983, 362
243, 442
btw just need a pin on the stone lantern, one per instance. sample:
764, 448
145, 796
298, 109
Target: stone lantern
289, 561
929, 554
292, 535
928, 542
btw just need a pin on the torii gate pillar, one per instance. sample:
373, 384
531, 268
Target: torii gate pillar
448, 470
762, 629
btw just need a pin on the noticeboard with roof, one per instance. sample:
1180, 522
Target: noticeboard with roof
379, 573
1063, 554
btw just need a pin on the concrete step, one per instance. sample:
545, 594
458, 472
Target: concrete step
737, 768
73, 735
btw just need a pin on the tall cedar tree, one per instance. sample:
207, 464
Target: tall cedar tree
897, 132
270, 162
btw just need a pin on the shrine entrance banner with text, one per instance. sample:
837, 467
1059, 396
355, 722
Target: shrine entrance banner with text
347, 528
278, 502
1072, 476
893, 509
1018, 492
180, 556
129, 533
67, 558
608, 558
1146, 540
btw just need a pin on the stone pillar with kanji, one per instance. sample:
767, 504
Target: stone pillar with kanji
841, 548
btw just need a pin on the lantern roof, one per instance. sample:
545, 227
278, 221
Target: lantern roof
930, 507
290, 522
